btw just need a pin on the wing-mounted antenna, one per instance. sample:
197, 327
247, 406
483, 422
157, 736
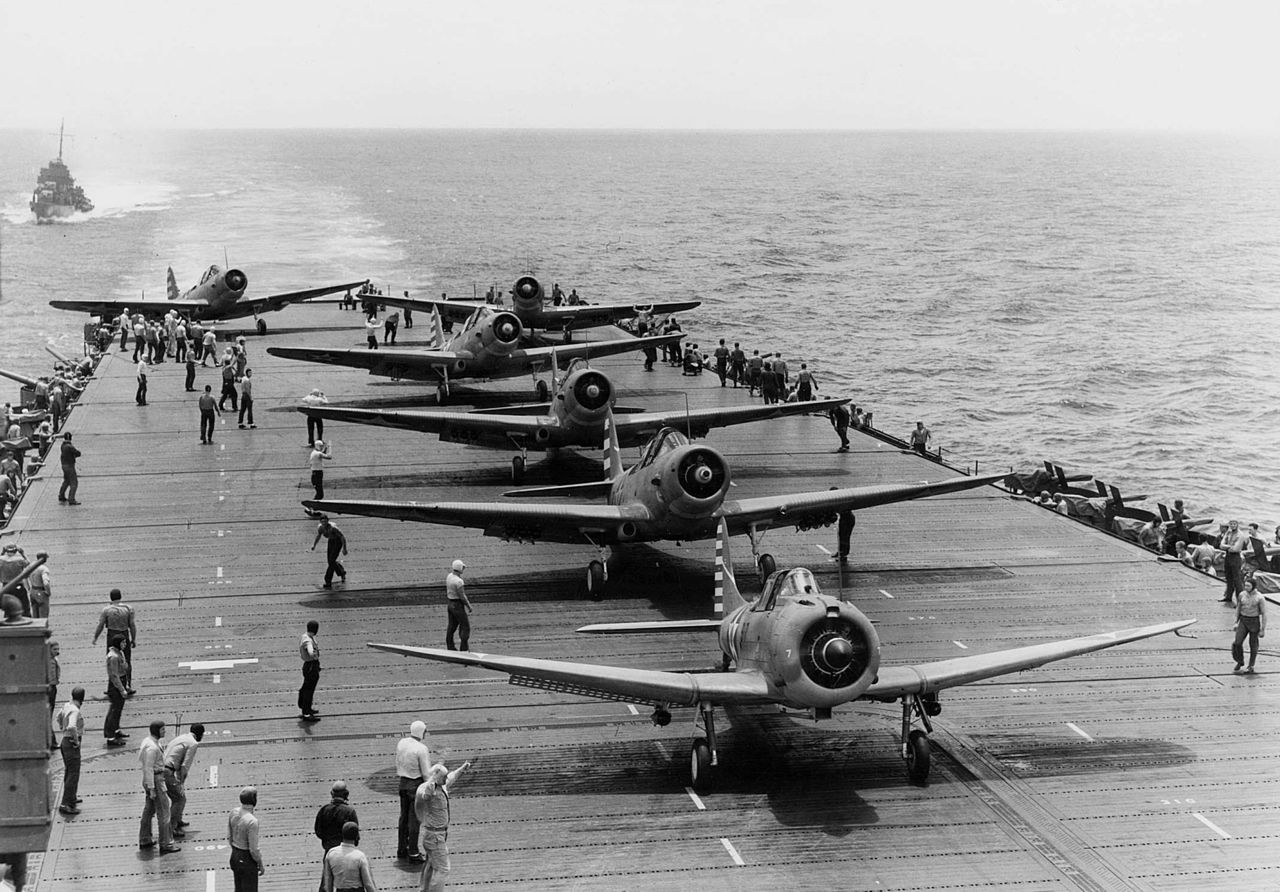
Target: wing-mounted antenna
174, 293
612, 450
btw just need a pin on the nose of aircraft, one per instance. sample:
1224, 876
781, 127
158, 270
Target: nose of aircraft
236, 280
506, 329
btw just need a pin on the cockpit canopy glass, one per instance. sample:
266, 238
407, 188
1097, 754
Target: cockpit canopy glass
797, 583
666, 440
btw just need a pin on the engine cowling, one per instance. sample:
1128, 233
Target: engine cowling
836, 652
527, 294
501, 333
587, 396
236, 280
693, 481
227, 288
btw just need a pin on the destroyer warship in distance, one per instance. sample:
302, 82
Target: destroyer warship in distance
56, 194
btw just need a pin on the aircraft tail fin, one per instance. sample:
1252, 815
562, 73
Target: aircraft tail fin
174, 293
612, 449
437, 329
728, 598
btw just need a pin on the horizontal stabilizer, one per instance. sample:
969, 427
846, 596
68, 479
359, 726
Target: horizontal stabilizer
675, 625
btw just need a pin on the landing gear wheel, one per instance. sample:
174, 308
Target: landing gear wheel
542, 391
442, 395
595, 580
700, 767
767, 565
262, 326
517, 470
918, 756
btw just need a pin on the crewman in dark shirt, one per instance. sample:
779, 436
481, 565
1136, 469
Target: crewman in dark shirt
332, 816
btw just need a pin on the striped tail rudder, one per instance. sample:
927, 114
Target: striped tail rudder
727, 598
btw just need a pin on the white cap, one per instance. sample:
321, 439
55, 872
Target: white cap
418, 729
319, 442
459, 566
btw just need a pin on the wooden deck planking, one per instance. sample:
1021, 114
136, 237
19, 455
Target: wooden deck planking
569, 792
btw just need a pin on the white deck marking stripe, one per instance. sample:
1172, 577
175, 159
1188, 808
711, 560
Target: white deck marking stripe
217, 679
632, 707
961, 646
886, 594
1072, 726
733, 853
210, 880
823, 549
197, 665
217, 621
213, 775
696, 801
219, 572
1212, 826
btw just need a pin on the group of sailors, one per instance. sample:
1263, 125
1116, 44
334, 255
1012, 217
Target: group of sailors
1194, 543
31, 427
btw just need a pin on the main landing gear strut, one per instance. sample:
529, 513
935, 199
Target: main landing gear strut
598, 572
915, 743
764, 562
704, 758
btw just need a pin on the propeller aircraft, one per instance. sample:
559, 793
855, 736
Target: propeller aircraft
675, 492
529, 303
793, 646
219, 295
487, 347
576, 417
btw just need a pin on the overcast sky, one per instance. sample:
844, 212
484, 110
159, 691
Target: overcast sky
747, 64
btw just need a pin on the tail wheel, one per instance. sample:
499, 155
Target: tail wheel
595, 580
262, 326
442, 394
542, 391
517, 469
918, 756
767, 566
700, 766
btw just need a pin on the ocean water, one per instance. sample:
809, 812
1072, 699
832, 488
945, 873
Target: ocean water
1107, 301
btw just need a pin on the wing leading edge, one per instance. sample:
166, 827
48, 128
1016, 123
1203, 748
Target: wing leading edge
609, 682
898, 681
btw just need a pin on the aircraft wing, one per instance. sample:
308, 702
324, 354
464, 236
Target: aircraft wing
639, 428
277, 301
420, 365
539, 358
587, 315
113, 306
817, 508
502, 520
452, 310
893, 682
609, 682
468, 428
